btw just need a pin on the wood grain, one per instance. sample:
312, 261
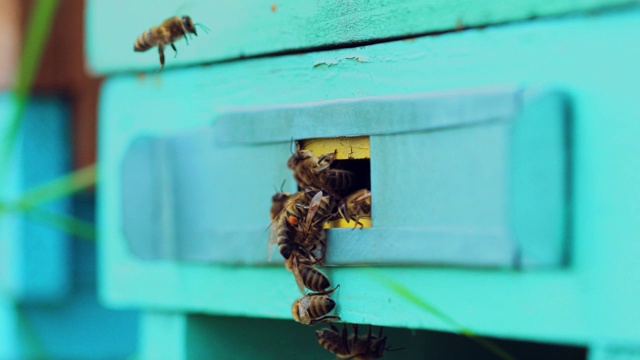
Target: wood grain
248, 27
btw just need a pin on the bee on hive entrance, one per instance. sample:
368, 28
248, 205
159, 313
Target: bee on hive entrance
299, 226
311, 171
305, 274
356, 206
365, 347
170, 31
313, 308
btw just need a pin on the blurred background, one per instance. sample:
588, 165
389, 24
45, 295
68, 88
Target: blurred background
49, 306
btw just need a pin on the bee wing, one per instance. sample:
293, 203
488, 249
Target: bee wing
313, 208
296, 274
273, 238
325, 161
303, 306
365, 195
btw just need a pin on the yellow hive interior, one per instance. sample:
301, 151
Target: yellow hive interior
349, 148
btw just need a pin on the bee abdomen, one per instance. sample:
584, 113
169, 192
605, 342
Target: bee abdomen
314, 279
321, 306
331, 341
285, 236
144, 42
338, 180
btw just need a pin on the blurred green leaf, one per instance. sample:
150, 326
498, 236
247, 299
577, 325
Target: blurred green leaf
55, 189
37, 31
69, 224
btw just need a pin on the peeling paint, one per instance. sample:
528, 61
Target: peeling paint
336, 60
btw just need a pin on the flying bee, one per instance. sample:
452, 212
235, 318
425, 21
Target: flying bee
313, 308
365, 347
356, 206
311, 171
306, 275
170, 31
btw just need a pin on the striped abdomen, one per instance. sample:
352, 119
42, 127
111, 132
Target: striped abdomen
320, 305
146, 40
332, 341
313, 278
286, 234
337, 180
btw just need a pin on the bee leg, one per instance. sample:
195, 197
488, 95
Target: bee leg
334, 329
161, 53
345, 338
325, 319
175, 50
324, 292
357, 221
343, 212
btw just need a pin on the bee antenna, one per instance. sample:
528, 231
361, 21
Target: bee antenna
203, 27
282, 185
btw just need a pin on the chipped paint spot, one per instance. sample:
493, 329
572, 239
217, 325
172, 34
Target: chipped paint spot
274, 7
336, 60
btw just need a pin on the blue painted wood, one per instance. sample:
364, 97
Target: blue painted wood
539, 206
380, 115
242, 28
34, 258
453, 208
593, 297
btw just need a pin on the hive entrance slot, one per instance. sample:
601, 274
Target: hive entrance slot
353, 154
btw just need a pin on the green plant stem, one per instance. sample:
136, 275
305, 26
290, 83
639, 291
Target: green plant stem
69, 224
38, 29
410, 296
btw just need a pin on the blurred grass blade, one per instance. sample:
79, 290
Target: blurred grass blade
76, 227
58, 188
37, 31
410, 296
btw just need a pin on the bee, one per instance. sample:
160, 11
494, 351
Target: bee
170, 31
283, 222
365, 347
306, 275
356, 206
278, 202
313, 308
319, 210
311, 171
299, 227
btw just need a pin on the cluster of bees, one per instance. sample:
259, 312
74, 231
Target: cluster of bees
297, 220
297, 227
